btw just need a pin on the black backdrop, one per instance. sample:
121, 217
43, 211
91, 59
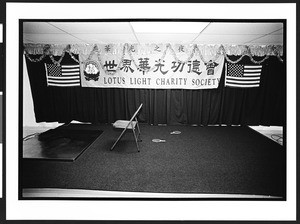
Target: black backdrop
265, 105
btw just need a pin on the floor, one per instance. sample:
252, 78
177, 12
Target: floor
273, 132
80, 193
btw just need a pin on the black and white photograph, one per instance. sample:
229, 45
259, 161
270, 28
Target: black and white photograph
154, 109
116, 110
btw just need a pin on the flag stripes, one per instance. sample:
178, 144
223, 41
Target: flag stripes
63, 76
244, 76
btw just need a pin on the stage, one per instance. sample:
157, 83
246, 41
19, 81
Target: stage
198, 160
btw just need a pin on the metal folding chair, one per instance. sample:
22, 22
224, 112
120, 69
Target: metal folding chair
132, 124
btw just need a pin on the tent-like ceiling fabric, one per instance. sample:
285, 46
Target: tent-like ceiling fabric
225, 33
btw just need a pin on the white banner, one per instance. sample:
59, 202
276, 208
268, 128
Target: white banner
166, 73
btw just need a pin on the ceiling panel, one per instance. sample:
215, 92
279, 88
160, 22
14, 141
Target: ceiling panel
270, 39
39, 27
107, 38
122, 32
278, 32
166, 38
224, 39
168, 27
50, 39
242, 28
95, 27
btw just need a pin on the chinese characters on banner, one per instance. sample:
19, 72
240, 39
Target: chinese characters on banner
166, 73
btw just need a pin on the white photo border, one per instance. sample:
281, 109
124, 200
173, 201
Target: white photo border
144, 210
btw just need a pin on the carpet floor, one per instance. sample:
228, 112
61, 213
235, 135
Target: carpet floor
218, 160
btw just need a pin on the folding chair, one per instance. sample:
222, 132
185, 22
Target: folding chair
132, 124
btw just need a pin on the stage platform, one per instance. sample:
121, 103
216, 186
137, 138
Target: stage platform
198, 160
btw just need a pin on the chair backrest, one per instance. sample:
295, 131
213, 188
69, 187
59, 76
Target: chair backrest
133, 116
136, 112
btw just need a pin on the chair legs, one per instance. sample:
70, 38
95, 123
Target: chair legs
137, 138
118, 140
139, 133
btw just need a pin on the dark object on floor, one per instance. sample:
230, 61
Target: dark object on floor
66, 142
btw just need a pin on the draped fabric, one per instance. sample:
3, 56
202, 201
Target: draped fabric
116, 49
265, 105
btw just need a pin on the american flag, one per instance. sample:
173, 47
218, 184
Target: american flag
245, 76
63, 75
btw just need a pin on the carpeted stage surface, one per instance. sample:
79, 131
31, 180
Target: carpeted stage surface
199, 160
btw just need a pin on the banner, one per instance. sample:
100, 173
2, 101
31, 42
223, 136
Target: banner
150, 71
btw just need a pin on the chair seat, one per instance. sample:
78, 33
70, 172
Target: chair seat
131, 124
123, 124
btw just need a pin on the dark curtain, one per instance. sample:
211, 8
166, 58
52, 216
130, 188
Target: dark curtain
232, 106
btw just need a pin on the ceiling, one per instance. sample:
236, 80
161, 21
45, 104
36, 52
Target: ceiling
153, 32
